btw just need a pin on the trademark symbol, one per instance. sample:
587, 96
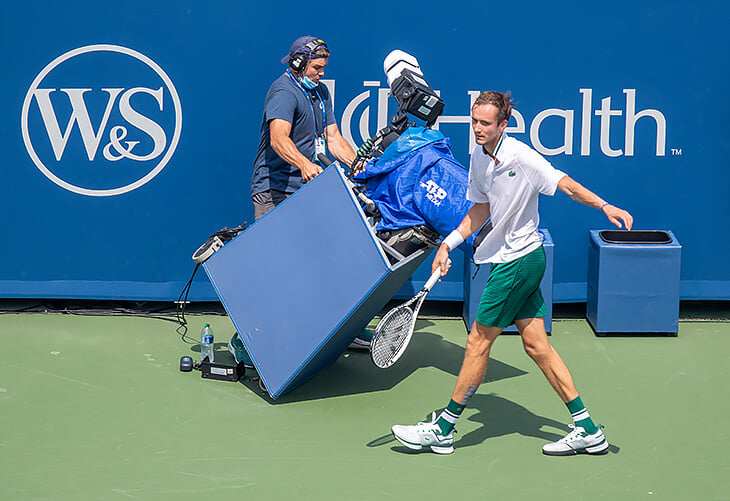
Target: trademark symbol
676, 152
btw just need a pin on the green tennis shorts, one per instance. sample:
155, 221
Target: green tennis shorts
513, 291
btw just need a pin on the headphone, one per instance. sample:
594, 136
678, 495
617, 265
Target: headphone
298, 60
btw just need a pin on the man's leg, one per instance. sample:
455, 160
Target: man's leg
537, 346
476, 356
586, 438
438, 433
478, 346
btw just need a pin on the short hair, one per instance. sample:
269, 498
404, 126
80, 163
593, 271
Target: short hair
500, 100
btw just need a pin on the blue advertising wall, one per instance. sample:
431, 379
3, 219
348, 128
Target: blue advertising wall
128, 132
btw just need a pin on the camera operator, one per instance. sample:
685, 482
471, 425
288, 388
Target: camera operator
298, 124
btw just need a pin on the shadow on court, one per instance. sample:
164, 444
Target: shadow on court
498, 417
354, 373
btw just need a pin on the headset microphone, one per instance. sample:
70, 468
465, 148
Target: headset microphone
298, 61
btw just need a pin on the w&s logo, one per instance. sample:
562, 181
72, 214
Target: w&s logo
101, 120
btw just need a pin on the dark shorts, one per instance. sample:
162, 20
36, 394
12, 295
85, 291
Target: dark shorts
513, 291
265, 201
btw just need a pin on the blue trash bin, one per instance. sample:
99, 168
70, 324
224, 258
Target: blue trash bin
633, 281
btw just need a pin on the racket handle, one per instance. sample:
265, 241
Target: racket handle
435, 277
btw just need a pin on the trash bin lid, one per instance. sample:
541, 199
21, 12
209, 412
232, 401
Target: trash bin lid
635, 236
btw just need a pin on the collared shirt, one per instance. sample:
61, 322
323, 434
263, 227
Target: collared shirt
511, 188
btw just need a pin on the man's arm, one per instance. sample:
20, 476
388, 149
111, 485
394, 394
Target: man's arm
474, 219
338, 146
581, 194
287, 150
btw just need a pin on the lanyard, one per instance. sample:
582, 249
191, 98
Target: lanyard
311, 105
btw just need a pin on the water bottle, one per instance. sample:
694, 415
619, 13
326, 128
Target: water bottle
206, 344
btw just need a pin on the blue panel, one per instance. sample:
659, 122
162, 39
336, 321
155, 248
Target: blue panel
355, 321
614, 113
270, 279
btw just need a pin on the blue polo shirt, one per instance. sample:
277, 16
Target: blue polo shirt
288, 101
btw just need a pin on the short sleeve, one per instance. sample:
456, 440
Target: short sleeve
280, 104
541, 173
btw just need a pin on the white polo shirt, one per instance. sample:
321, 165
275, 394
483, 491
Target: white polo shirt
511, 188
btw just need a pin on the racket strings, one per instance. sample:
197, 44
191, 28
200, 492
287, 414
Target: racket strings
392, 334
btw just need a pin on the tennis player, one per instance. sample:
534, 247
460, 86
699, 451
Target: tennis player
505, 179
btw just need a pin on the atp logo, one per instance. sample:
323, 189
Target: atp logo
434, 192
101, 120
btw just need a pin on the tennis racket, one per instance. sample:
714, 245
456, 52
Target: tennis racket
394, 331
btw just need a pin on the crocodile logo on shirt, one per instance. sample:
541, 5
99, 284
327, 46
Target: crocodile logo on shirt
512, 173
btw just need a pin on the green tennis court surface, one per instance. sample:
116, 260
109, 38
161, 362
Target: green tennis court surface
96, 408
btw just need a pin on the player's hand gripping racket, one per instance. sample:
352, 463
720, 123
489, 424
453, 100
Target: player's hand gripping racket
395, 329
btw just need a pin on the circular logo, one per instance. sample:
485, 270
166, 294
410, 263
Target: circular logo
101, 120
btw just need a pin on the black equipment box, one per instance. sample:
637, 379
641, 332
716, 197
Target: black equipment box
221, 372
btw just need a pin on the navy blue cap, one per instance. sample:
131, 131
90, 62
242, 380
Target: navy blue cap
308, 45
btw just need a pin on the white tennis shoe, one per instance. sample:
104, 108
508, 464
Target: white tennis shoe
578, 441
422, 435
